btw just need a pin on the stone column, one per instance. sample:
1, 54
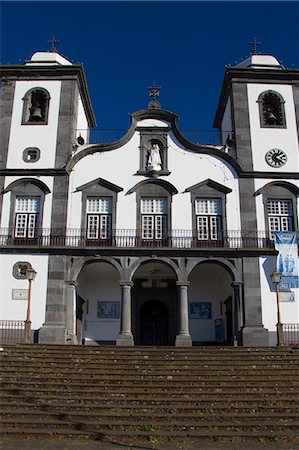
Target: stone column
253, 332
237, 311
71, 305
183, 338
125, 337
53, 331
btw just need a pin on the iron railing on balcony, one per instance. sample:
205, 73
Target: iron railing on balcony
132, 238
107, 136
12, 330
291, 333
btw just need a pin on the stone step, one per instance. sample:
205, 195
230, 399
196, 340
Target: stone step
176, 408
150, 392
153, 390
118, 382
225, 437
34, 422
118, 416
114, 400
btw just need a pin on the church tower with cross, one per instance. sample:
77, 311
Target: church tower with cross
159, 236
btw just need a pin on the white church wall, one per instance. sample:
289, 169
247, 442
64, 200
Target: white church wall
152, 123
99, 283
41, 136
120, 166
264, 139
226, 124
10, 287
82, 123
203, 288
288, 300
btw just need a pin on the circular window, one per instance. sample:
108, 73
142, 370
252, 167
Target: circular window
31, 154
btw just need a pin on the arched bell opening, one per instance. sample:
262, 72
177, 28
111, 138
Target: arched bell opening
98, 303
154, 304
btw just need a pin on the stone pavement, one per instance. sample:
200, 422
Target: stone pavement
88, 444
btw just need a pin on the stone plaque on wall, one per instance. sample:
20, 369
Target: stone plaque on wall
19, 294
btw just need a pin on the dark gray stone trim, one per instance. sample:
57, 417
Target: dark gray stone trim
210, 183
242, 126
100, 182
60, 202
23, 184
34, 152
33, 172
65, 135
151, 185
277, 174
296, 104
141, 251
283, 184
247, 204
6, 105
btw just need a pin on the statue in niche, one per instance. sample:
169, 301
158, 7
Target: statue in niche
154, 161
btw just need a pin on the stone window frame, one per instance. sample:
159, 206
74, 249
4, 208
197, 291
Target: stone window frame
279, 191
148, 137
26, 154
27, 188
17, 269
208, 189
99, 188
27, 104
153, 188
261, 102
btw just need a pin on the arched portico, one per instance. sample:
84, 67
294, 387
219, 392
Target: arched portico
214, 302
98, 302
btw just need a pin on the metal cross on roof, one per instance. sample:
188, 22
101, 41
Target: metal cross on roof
254, 43
53, 41
153, 91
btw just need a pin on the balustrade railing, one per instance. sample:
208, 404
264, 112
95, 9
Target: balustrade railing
12, 330
132, 238
291, 333
107, 136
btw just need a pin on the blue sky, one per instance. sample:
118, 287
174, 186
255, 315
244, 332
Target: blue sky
125, 46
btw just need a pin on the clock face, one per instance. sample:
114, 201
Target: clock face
276, 157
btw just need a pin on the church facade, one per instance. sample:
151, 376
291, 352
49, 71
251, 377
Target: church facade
153, 238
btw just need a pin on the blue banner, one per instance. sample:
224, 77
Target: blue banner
287, 259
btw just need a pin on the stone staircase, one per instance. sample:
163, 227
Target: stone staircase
153, 395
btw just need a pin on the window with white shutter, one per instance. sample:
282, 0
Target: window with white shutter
154, 218
99, 214
27, 210
208, 214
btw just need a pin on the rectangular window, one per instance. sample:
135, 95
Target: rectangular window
27, 211
208, 219
99, 218
154, 218
280, 215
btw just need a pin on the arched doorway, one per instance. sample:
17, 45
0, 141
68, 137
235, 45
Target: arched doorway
154, 323
154, 304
